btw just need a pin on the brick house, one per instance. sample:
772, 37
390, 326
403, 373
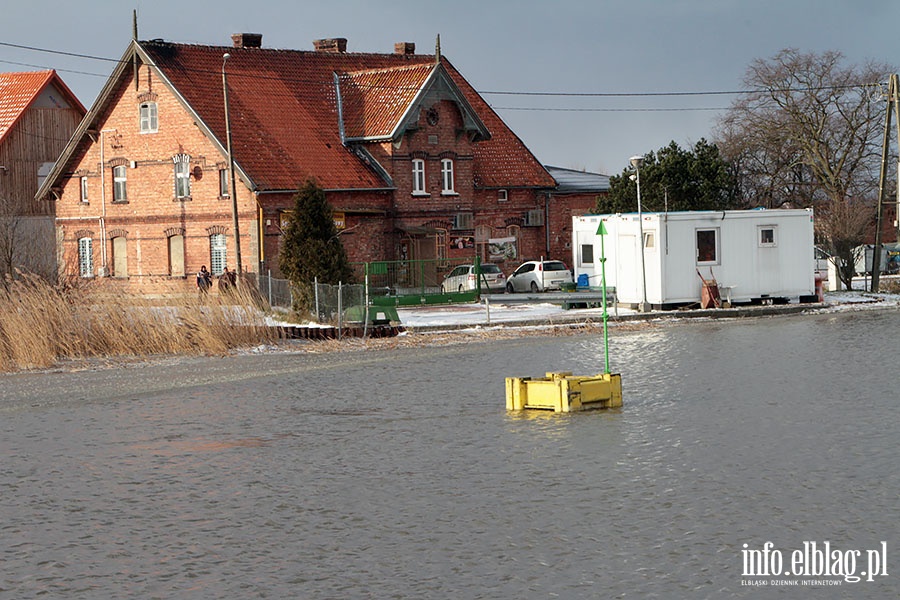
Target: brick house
38, 114
414, 162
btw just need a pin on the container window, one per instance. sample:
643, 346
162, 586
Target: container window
707, 246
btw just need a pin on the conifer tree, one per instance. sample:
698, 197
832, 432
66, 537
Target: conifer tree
311, 249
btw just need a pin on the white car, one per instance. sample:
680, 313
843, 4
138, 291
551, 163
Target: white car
463, 278
539, 276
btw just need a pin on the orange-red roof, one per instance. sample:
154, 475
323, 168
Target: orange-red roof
19, 90
373, 102
285, 117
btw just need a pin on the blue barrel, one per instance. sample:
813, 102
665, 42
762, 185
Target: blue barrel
583, 280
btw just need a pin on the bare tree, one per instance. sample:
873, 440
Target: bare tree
808, 135
23, 240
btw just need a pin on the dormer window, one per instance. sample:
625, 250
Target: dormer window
149, 117
447, 176
418, 177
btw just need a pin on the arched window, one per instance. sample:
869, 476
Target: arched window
86, 257
182, 176
447, 176
176, 255
218, 253
119, 256
120, 183
418, 177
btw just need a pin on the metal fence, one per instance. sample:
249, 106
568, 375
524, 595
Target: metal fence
276, 291
385, 283
333, 304
412, 282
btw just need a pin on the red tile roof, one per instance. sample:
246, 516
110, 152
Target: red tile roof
375, 101
19, 90
284, 112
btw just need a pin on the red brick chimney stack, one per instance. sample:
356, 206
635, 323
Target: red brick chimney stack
333, 45
404, 48
247, 40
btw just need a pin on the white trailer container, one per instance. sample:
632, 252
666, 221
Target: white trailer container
754, 255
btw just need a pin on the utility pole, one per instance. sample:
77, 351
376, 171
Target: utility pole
893, 102
234, 202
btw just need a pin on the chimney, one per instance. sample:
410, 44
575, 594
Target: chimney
405, 48
247, 40
333, 45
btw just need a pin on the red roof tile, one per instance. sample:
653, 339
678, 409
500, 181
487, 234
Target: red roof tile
284, 112
19, 90
375, 101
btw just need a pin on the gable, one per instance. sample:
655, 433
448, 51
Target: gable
285, 111
21, 91
382, 105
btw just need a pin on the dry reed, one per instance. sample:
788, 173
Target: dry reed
41, 324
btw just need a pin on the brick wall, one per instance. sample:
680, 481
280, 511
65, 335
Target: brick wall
151, 210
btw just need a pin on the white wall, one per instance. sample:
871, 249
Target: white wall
782, 268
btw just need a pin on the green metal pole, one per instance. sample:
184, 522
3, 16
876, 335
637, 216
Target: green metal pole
478, 276
601, 231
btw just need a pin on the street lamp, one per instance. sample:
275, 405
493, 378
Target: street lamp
234, 204
636, 162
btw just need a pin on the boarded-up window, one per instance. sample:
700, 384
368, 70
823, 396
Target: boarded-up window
176, 255
119, 257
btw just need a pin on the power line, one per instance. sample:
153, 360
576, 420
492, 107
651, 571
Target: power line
46, 67
524, 108
480, 92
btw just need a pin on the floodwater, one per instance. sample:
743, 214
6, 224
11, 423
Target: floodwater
399, 474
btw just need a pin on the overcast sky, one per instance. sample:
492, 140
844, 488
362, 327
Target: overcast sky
521, 46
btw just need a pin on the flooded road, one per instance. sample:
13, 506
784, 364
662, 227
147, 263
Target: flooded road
399, 474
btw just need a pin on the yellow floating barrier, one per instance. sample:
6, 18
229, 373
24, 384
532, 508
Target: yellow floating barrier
563, 392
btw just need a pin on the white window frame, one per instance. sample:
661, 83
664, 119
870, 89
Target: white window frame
84, 189
418, 177
182, 176
502, 195
761, 229
86, 257
224, 184
447, 176
584, 252
149, 117
120, 183
218, 253
716, 234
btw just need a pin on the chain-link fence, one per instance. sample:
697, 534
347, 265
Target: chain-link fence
339, 305
390, 283
415, 282
276, 291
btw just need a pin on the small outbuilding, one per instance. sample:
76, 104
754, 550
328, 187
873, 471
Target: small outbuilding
746, 256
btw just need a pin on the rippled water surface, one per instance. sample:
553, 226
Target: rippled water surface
399, 474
